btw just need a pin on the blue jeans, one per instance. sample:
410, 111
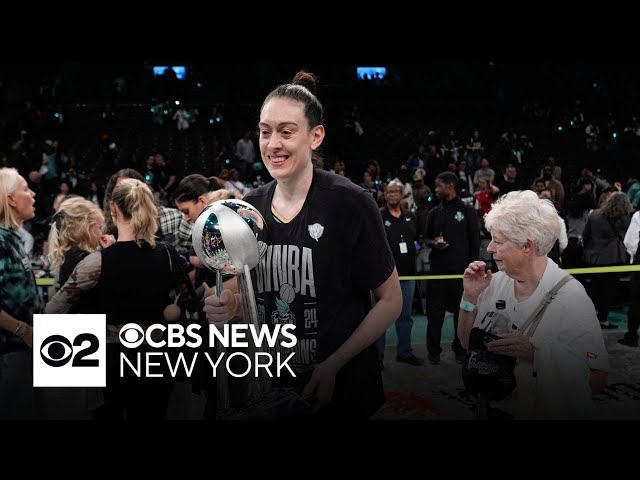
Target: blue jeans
404, 323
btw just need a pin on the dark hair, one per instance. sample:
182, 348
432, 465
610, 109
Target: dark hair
302, 89
448, 178
617, 206
192, 186
584, 181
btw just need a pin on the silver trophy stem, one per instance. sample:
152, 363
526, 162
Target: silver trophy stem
265, 381
258, 387
253, 307
252, 385
222, 390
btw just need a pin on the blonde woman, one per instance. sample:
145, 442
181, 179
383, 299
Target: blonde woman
19, 299
76, 231
117, 281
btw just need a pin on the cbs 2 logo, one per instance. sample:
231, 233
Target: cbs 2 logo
56, 350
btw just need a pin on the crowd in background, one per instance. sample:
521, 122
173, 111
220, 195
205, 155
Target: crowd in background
583, 163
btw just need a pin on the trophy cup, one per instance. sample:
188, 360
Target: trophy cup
225, 240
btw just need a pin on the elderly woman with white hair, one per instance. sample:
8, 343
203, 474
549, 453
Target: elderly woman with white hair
551, 327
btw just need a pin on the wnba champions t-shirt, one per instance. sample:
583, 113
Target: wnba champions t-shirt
318, 271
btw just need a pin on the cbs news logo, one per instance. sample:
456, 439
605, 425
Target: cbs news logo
69, 350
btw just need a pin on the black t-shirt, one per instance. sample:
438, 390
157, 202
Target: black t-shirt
317, 274
506, 187
459, 224
162, 176
402, 230
133, 286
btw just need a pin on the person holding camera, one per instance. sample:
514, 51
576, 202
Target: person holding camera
554, 331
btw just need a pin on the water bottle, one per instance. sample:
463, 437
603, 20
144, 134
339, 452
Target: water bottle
500, 323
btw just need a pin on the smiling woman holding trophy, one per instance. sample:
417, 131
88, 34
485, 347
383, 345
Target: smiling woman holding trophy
325, 251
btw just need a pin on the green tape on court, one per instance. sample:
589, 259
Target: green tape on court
572, 271
45, 281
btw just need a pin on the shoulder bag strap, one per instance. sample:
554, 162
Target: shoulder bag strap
534, 319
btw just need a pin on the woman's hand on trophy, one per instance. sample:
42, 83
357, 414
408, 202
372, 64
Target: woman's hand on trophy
220, 310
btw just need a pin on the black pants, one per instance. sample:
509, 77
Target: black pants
633, 316
443, 296
572, 255
130, 397
603, 291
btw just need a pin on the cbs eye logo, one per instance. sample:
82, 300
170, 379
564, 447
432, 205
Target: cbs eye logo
57, 351
131, 335
69, 350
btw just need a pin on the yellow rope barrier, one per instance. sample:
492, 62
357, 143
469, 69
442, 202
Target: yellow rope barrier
48, 281
572, 271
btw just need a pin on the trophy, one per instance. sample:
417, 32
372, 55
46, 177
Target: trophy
225, 240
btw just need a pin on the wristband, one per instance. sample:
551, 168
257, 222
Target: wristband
21, 329
467, 306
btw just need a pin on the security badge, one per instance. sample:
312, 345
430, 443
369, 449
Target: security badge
403, 245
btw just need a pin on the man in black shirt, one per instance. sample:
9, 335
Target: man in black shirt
453, 233
509, 181
400, 227
165, 180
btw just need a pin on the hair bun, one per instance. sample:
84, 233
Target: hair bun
306, 79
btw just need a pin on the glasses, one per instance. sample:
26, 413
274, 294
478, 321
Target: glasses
394, 191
